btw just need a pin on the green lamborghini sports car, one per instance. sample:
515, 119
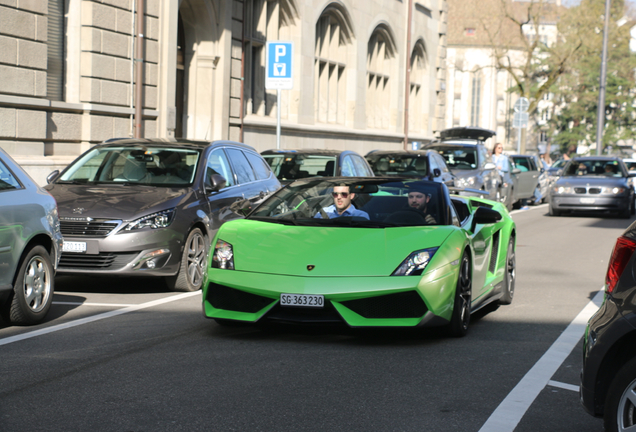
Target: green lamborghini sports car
365, 252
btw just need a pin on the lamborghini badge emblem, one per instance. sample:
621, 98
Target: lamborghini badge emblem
310, 267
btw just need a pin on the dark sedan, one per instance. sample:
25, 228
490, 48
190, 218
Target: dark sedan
594, 183
290, 165
420, 164
150, 208
608, 376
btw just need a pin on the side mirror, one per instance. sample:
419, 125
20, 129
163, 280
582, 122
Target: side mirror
490, 166
484, 216
51, 177
631, 174
215, 183
515, 171
437, 172
559, 173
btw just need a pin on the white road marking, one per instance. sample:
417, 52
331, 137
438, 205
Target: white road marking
564, 386
94, 318
91, 304
512, 409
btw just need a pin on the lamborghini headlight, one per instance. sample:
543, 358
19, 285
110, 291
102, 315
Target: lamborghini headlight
156, 220
223, 257
415, 263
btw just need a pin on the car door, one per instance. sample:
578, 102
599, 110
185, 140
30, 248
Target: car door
527, 177
361, 166
491, 178
347, 168
12, 223
219, 202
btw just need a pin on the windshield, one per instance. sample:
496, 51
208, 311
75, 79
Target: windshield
156, 166
363, 203
458, 157
401, 165
605, 168
298, 166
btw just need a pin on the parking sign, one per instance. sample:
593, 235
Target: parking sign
279, 65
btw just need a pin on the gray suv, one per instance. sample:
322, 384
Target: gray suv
151, 207
30, 245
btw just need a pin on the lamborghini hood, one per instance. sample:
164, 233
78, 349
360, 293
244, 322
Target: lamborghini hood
271, 248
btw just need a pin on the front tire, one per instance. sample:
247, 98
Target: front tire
193, 264
32, 291
460, 319
510, 275
620, 403
554, 212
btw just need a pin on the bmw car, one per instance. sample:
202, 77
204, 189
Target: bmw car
594, 183
387, 263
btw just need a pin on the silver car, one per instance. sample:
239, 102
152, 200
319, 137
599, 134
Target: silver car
151, 207
30, 245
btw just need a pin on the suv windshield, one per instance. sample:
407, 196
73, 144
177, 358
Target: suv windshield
459, 157
375, 204
156, 166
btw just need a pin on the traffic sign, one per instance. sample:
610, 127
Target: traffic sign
279, 65
522, 105
520, 120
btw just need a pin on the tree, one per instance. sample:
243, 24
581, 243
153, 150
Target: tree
577, 93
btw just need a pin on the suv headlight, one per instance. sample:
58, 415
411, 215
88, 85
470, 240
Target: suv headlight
156, 220
223, 257
415, 263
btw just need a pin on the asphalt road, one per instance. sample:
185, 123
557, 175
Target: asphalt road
122, 355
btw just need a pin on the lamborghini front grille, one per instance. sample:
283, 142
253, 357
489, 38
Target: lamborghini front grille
224, 297
400, 305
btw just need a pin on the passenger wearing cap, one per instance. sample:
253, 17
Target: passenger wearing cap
342, 205
419, 200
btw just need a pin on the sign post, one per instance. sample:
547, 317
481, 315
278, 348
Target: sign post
520, 119
278, 73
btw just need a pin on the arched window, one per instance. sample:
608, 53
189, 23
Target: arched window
418, 114
380, 61
265, 20
333, 39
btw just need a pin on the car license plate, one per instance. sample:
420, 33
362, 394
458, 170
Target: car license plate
75, 247
302, 300
588, 200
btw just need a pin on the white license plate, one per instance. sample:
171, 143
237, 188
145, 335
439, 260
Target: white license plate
588, 200
302, 300
76, 247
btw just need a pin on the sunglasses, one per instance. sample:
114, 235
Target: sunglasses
342, 194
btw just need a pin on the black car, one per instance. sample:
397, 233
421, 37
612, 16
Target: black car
151, 207
466, 155
593, 183
422, 164
290, 165
608, 376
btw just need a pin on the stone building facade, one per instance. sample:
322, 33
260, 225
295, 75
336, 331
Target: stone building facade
477, 91
68, 74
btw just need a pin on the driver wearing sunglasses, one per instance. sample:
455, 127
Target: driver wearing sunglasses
341, 205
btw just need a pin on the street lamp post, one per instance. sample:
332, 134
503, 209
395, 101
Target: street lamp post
600, 114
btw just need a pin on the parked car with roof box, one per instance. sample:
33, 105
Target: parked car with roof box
420, 164
290, 165
150, 207
30, 245
466, 155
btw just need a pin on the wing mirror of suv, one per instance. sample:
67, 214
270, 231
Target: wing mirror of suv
515, 171
436, 172
215, 183
490, 166
484, 216
51, 177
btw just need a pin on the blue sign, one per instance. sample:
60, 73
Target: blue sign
279, 65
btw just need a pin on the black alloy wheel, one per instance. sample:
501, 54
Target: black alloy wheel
510, 274
460, 319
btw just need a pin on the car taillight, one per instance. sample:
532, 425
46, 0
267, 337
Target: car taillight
623, 251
